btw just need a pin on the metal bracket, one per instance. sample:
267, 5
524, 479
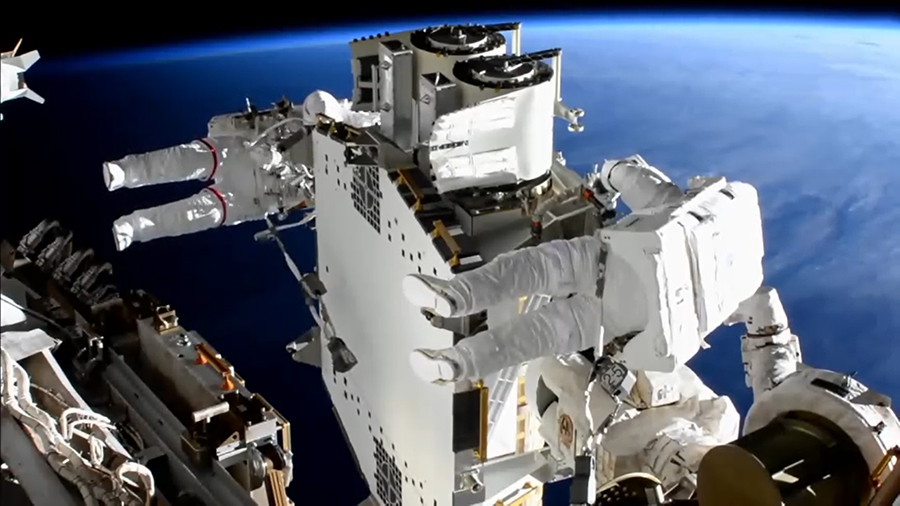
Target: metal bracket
165, 320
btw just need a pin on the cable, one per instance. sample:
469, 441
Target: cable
51, 394
86, 421
144, 474
269, 130
66, 426
65, 460
32, 312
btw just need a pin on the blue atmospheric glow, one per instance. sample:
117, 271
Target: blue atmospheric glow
340, 34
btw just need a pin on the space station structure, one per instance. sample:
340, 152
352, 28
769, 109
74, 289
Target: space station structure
442, 160
812, 436
107, 399
12, 80
459, 165
460, 169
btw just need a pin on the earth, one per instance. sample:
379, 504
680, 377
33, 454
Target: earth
806, 110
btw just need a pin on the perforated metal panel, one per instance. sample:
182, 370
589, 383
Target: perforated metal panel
366, 195
388, 479
389, 414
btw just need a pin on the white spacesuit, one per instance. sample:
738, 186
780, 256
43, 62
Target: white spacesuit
668, 423
322, 102
663, 282
251, 176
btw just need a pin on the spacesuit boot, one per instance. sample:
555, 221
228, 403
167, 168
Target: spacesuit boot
199, 160
431, 293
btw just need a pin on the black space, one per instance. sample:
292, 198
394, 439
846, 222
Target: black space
75, 28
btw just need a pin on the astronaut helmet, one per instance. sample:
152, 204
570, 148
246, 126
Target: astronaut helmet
321, 102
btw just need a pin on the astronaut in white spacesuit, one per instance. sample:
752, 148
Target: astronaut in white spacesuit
598, 295
666, 426
670, 420
252, 176
667, 422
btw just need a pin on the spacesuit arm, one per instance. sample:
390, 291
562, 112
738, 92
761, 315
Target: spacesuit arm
322, 102
359, 119
640, 185
671, 439
769, 350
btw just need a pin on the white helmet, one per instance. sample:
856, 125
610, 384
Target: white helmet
321, 102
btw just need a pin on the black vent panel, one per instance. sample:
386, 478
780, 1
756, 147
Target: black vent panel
366, 195
387, 476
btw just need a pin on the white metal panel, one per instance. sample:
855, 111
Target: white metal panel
504, 395
362, 270
503, 432
508, 135
499, 385
526, 491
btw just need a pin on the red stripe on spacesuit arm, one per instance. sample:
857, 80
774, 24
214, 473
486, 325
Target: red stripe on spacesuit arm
215, 156
221, 201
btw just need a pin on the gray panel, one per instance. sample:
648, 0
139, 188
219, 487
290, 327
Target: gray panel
438, 96
365, 70
143, 408
23, 344
370, 501
395, 77
366, 194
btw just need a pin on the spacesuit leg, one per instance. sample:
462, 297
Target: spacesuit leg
560, 327
554, 268
201, 159
185, 162
201, 211
214, 206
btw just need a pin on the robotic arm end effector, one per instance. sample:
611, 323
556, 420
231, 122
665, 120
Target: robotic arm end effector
570, 115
